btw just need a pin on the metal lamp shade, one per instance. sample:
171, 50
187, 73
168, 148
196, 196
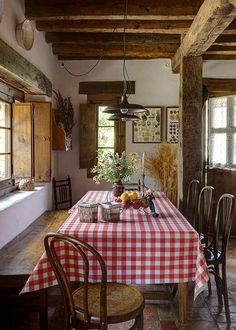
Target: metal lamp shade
123, 117
125, 107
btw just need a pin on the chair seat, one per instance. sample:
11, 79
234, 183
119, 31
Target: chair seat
122, 300
212, 255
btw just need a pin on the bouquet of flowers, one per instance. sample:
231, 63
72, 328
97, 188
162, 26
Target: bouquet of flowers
115, 168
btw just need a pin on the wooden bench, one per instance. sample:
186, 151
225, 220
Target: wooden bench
17, 261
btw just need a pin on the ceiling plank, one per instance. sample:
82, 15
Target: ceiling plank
210, 21
86, 38
96, 26
104, 50
113, 9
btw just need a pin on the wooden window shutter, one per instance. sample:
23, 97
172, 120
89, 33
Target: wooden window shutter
22, 140
120, 136
87, 135
42, 141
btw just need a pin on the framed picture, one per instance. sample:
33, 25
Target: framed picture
148, 129
172, 124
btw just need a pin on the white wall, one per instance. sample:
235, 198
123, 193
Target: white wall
155, 86
16, 218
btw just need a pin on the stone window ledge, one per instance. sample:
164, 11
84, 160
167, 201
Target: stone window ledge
17, 196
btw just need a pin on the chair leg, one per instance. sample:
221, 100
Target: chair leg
225, 294
218, 286
209, 287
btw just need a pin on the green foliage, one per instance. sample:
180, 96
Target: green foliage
115, 168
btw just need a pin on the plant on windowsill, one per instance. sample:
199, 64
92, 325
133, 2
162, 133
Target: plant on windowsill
115, 169
64, 117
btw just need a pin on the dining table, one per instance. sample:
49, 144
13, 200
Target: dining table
138, 249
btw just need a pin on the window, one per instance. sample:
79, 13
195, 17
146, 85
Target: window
96, 132
222, 132
105, 132
5, 143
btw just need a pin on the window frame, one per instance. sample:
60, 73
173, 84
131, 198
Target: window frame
9, 182
229, 130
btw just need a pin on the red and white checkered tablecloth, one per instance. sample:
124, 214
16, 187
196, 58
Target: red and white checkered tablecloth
140, 249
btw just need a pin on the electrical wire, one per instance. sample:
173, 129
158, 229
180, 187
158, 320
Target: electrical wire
91, 69
82, 74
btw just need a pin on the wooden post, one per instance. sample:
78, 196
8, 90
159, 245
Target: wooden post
190, 134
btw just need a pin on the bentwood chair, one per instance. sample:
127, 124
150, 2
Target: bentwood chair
192, 200
93, 305
204, 213
215, 253
62, 193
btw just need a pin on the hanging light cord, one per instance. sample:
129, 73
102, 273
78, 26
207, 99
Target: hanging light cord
124, 47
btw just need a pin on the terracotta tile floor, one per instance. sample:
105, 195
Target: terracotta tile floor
202, 314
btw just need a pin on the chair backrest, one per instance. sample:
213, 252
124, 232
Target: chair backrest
132, 186
192, 200
204, 212
51, 243
62, 193
223, 222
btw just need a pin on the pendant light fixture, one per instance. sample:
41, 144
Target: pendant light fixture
124, 111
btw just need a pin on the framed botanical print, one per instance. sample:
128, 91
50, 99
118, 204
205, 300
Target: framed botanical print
172, 124
149, 128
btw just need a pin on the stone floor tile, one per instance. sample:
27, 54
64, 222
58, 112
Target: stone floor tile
167, 325
202, 325
200, 314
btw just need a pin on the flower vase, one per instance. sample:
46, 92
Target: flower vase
117, 189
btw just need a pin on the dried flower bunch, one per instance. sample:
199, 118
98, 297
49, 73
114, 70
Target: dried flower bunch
64, 112
162, 166
115, 168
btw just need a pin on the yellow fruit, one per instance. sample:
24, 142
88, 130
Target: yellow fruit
133, 196
124, 197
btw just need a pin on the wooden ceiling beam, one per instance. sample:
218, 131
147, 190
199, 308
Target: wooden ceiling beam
216, 57
226, 40
116, 51
211, 20
107, 58
109, 38
109, 26
113, 9
221, 50
218, 87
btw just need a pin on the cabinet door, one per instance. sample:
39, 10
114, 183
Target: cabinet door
42, 141
22, 140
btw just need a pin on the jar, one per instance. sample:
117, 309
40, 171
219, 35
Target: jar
88, 212
111, 212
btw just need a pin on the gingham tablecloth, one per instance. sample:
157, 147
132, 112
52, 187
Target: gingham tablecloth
140, 249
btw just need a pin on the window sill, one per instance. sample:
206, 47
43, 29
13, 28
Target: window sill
222, 169
17, 196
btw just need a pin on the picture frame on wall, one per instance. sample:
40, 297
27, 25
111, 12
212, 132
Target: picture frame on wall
172, 124
149, 128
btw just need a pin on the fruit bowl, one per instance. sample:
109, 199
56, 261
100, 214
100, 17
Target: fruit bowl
132, 199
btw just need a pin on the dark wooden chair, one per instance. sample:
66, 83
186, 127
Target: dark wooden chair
62, 193
204, 213
93, 304
192, 201
132, 186
216, 251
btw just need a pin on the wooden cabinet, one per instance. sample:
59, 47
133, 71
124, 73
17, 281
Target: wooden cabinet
31, 140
